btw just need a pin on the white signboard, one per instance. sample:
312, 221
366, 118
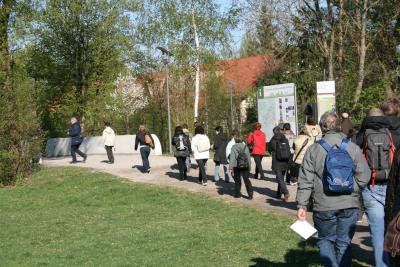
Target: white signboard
276, 104
326, 100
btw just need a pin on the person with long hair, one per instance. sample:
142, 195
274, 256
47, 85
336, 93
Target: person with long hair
201, 151
182, 146
145, 142
257, 143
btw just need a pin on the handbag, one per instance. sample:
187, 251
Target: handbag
292, 163
392, 237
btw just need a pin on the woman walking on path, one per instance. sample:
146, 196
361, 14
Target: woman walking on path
76, 140
220, 143
290, 136
109, 141
302, 142
280, 150
201, 150
257, 144
240, 163
145, 142
182, 146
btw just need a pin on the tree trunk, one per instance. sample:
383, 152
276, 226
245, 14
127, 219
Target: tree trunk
322, 40
5, 12
332, 43
341, 90
197, 85
363, 52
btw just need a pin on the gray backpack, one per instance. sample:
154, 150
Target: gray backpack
379, 152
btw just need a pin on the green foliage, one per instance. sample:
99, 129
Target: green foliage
77, 217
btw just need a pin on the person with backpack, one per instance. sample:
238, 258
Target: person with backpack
220, 143
109, 141
145, 142
302, 142
333, 173
201, 150
280, 151
240, 163
257, 143
376, 141
76, 140
182, 146
190, 135
290, 136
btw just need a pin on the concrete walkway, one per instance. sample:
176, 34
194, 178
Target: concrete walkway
164, 173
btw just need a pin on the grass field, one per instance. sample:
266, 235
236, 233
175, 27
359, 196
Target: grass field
77, 217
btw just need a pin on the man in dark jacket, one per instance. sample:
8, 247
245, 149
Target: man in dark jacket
76, 140
220, 143
280, 165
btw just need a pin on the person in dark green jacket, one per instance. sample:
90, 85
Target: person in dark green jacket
240, 172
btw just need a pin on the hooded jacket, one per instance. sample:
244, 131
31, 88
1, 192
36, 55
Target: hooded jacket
109, 136
376, 123
220, 143
273, 146
259, 142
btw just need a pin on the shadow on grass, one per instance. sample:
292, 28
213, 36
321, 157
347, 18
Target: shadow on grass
305, 255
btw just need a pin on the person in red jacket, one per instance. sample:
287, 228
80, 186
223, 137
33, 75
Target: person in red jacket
256, 141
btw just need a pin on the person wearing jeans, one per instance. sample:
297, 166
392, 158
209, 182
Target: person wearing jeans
201, 150
335, 231
374, 198
202, 170
282, 188
76, 140
145, 145
335, 215
220, 143
257, 142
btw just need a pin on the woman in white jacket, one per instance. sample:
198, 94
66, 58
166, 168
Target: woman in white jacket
109, 141
201, 150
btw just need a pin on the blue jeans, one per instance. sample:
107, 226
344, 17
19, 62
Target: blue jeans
335, 231
374, 204
145, 152
282, 188
216, 172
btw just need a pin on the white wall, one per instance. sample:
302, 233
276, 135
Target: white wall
124, 144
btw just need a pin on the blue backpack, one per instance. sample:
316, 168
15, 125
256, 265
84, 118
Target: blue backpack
339, 171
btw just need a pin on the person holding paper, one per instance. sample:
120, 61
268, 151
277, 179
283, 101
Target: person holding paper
335, 213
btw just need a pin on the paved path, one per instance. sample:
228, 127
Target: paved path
164, 173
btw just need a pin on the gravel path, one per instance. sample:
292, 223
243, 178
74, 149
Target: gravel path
164, 173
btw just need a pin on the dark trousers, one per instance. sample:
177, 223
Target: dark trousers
145, 152
202, 169
75, 150
293, 173
182, 167
282, 189
259, 168
110, 154
237, 175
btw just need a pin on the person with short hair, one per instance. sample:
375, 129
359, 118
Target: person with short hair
201, 151
182, 146
145, 142
220, 143
240, 149
346, 125
335, 214
109, 141
75, 132
258, 143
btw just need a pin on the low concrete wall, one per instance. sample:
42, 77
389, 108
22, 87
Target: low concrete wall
124, 144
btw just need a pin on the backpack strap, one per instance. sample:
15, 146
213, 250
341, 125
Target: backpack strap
324, 145
344, 144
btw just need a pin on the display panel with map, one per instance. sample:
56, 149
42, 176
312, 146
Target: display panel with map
276, 104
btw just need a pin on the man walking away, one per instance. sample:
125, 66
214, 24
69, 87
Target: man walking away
182, 151
290, 136
280, 150
333, 173
76, 140
109, 141
220, 143
240, 163
378, 147
256, 141
145, 141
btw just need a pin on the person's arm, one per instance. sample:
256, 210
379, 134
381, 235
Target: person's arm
249, 138
360, 138
305, 183
363, 172
233, 158
248, 155
188, 143
136, 142
104, 136
272, 145
194, 143
173, 142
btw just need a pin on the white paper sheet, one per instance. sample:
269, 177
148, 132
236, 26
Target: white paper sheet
304, 229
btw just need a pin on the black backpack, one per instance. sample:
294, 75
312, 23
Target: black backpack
242, 160
379, 151
282, 150
181, 143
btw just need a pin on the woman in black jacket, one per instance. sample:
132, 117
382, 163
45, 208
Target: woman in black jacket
220, 143
280, 150
182, 146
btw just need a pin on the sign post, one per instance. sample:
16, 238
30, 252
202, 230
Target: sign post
326, 100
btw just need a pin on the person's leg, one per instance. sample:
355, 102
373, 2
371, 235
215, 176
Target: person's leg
145, 161
282, 189
238, 182
108, 150
374, 203
111, 154
205, 170
289, 173
188, 165
259, 168
216, 171
202, 172
226, 172
148, 150
73, 153
245, 174
346, 226
326, 222
181, 166
80, 153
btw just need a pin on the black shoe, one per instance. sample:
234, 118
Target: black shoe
251, 196
73, 162
110, 162
237, 196
84, 159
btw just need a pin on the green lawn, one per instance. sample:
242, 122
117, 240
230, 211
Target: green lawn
77, 217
